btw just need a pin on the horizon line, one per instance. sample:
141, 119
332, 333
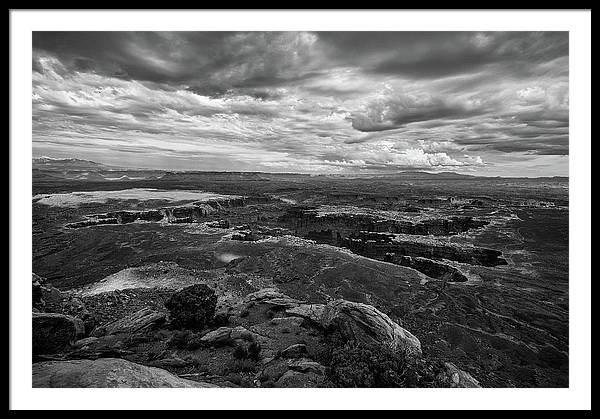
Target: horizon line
416, 170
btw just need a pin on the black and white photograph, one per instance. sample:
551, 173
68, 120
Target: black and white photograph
226, 210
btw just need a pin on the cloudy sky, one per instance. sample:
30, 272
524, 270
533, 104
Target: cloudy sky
493, 103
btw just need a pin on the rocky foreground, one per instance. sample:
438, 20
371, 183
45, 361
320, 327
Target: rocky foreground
180, 334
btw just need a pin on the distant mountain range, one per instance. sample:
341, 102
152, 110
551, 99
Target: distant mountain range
50, 169
67, 164
417, 174
92, 171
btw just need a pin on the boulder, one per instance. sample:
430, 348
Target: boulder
271, 296
53, 332
273, 369
305, 365
105, 372
227, 336
136, 322
219, 337
85, 342
241, 333
312, 312
294, 351
263, 294
295, 379
364, 323
452, 376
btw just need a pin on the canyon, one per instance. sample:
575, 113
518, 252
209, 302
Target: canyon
475, 269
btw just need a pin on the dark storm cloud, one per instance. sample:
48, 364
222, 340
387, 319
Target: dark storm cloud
302, 101
398, 111
437, 54
179, 56
216, 61
151, 56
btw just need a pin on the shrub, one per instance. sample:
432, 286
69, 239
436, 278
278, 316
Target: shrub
220, 320
241, 365
268, 384
254, 351
179, 339
156, 353
192, 307
240, 352
353, 364
185, 339
250, 351
361, 365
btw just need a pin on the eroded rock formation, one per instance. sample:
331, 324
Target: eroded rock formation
429, 267
140, 320
105, 373
377, 245
193, 213
364, 323
333, 227
390, 237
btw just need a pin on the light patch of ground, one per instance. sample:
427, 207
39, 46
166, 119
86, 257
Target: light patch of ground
125, 177
157, 275
329, 210
202, 228
227, 257
286, 200
75, 199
